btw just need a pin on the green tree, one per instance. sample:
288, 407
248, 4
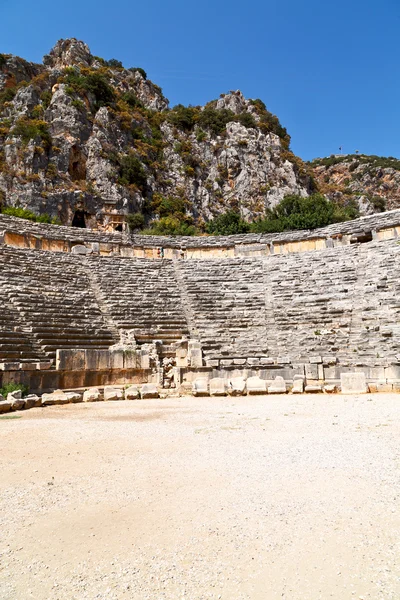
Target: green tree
228, 223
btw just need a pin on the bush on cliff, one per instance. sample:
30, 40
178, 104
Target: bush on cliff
23, 213
295, 212
29, 129
229, 223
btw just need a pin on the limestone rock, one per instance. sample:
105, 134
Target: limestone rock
91, 395
200, 387
256, 385
298, 385
353, 383
217, 386
113, 393
57, 397
278, 386
237, 386
132, 393
74, 397
313, 389
149, 390
5, 406
32, 401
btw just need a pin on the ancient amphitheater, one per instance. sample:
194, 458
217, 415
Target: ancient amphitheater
257, 313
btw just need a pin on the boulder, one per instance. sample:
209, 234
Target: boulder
313, 389
15, 395
92, 395
278, 386
5, 406
330, 388
74, 397
237, 386
113, 393
32, 400
353, 383
200, 387
217, 387
17, 403
149, 390
256, 385
132, 393
57, 397
298, 385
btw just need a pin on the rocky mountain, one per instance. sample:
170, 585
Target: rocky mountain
87, 141
371, 182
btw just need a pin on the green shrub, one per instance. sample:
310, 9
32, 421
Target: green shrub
228, 223
131, 171
3, 60
139, 70
13, 387
215, 120
29, 129
114, 63
270, 123
90, 81
183, 117
132, 100
135, 221
171, 225
8, 94
46, 98
23, 213
295, 212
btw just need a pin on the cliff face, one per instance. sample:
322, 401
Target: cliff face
372, 182
82, 137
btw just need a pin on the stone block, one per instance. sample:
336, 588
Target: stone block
132, 393
116, 359
195, 354
256, 385
200, 387
92, 395
239, 361
212, 362
383, 386
74, 397
298, 385
311, 371
283, 360
9, 366
149, 390
97, 360
16, 395
113, 393
217, 386
392, 372
353, 383
278, 386
253, 361
313, 389
182, 357
237, 386
144, 359
329, 360
266, 361
396, 386
5, 406
372, 388
315, 360
57, 397
79, 249
32, 401
330, 388
70, 360
28, 366
226, 362
43, 366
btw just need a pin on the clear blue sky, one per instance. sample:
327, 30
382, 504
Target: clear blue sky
329, 70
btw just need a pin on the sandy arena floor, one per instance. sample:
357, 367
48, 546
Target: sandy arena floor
294, 497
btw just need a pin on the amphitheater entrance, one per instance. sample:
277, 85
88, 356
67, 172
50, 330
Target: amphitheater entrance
79, 219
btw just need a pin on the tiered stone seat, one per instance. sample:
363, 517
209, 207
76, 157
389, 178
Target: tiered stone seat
15, 344
227, 301
52, 296
142, 295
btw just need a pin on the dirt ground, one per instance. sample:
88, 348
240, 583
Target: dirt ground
294, 497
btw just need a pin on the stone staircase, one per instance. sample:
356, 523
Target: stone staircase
141, 295
54, 299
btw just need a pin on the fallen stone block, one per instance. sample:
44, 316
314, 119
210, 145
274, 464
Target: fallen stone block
17, 402
32, 401
74, 397
15, 395
57, 397
217, 386
92, 395
330, 388
113, 393
278, 386
237, 386
353, 383
5, 406
132, 393
200, 387
149, 390
298, 385
313, 389
256, 385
